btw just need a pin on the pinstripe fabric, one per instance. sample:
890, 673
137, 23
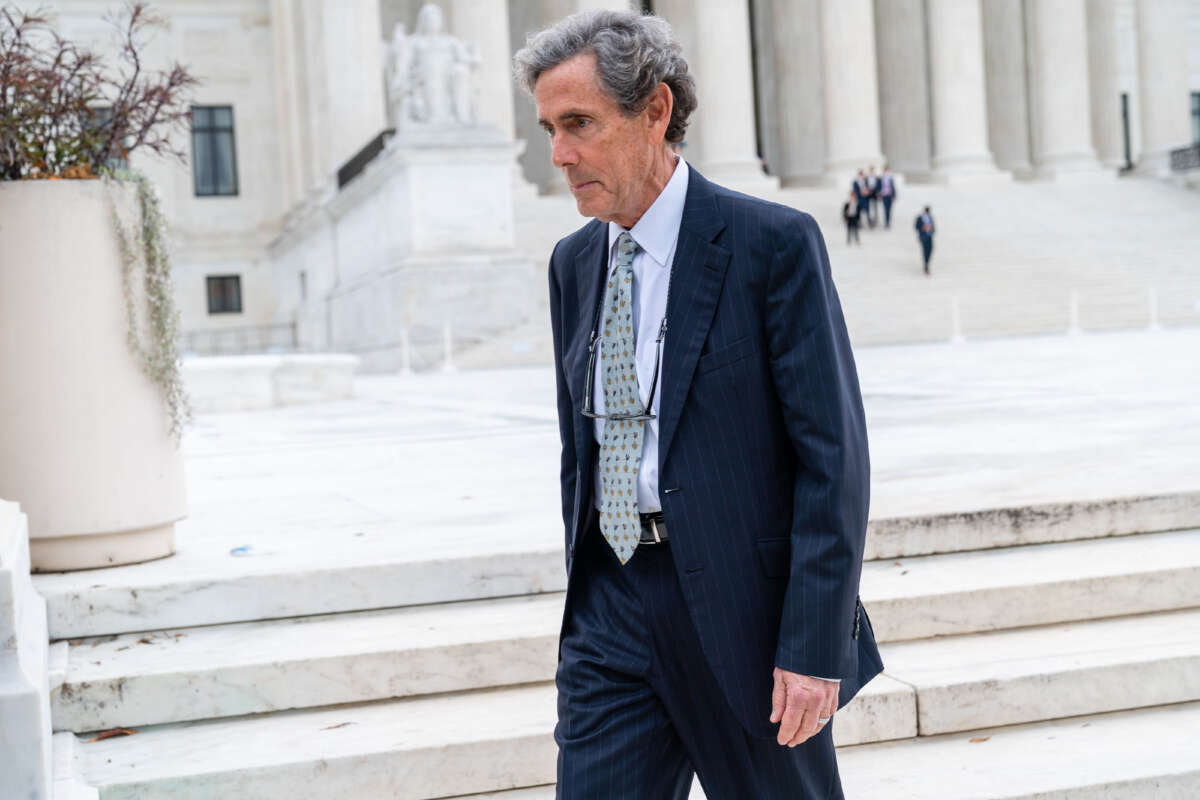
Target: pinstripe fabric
763, 463
639, 710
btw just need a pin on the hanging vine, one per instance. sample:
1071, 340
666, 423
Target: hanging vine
144, 248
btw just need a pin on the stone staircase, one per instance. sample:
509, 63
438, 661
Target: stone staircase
1047, 651
1009, 260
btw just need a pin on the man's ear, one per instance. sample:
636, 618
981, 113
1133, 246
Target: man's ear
658, 109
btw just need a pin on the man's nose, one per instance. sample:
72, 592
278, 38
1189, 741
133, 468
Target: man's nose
562, 154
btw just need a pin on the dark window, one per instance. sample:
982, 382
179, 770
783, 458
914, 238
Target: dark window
1195, 117
98, 117
214, 162
224, 294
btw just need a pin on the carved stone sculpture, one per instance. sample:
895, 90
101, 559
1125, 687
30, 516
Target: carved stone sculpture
428, 75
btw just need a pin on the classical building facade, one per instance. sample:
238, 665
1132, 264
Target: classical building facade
792, 92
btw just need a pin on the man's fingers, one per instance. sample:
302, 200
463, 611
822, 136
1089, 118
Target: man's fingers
793, 714
831, 709
778, 698
808, 727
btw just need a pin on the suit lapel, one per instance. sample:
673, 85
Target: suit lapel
589, 271
697, 274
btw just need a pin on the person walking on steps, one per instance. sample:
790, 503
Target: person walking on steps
714, 467
887, 195
925, 230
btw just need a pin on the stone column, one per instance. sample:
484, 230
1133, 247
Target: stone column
1059, 109
354, 105
723, 145
851, 91
1162, 82
903, 86
791, 122
959, 94
1007, 95
1102, 79
484, 23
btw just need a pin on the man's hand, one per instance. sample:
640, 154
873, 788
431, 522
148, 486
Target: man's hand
799, 701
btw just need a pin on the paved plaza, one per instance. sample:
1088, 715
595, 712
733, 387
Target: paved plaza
953, 427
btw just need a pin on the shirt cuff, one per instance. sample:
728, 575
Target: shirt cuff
831, 680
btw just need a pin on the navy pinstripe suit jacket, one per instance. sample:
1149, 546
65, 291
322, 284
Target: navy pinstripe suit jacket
764, 474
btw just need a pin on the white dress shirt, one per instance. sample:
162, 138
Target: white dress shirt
656, 234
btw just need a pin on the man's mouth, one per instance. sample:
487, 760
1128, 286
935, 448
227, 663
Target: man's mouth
579, 187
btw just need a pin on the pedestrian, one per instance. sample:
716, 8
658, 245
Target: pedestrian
862, 194
872, 197
714, 466
925, 230
887, 195
851, 216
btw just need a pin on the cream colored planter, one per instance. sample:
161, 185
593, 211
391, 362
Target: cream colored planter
85, 443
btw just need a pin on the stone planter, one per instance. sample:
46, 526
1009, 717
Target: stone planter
85, 442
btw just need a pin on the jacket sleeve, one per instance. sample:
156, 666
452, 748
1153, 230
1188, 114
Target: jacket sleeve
566, 419
817, 384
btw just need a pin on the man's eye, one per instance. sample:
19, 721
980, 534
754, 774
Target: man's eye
582, 123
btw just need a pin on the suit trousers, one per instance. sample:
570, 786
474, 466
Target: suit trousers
639, 710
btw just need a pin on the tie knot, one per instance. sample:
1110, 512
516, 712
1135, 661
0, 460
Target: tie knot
626, 248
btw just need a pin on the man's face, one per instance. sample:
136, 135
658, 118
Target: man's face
604, 154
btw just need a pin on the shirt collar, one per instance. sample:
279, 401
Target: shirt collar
658, 229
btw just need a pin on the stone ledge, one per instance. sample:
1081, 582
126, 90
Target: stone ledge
26, 767
245, 383
926, 534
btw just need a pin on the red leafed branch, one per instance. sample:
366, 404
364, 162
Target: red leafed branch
52, 93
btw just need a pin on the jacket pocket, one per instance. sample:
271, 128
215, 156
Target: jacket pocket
775, 555
722, 356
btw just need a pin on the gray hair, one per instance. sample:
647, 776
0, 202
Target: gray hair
634, 54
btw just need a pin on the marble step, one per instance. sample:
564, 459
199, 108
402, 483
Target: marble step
1150, 754
251, 668
1048, 672
215, 579
476, 743
462, 743
973, 592
244, 668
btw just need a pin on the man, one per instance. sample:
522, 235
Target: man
862, 190
873, 195
925, 229
714, 457
887, 194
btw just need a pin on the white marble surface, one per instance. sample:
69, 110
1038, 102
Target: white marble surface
201, 672
1150, 754
252, 382
404, 750
439, 487
1031, 674
417, 748
68, 784
26, 766
914, 598
1147, 753
230, 670
898, 537
248, 668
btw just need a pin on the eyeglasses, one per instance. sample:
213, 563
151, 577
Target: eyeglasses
591, 373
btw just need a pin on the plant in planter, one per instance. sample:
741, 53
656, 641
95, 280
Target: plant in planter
53, 126
84, 266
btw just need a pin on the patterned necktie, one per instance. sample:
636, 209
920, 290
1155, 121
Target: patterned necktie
621, 444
